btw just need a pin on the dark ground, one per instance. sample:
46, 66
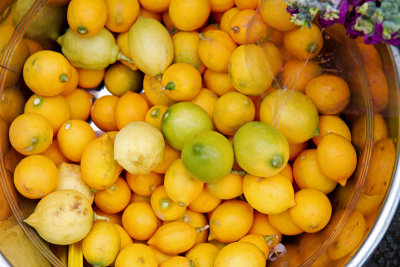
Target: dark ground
387, 253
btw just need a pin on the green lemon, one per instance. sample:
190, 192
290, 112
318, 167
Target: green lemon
208, 156
182, 120
260, 149
95, 52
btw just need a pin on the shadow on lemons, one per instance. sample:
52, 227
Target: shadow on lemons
208, 156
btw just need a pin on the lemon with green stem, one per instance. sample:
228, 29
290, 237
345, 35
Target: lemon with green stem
95, 52
182, 120
260, 149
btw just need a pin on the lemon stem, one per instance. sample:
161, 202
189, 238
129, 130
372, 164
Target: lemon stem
165, 203
124, 58
241, 173
235, 29
201, 229
82, 30
170, 86
113, 187
94, 191
99, 217
63, 78
277, 161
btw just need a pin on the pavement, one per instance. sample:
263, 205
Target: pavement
387, 253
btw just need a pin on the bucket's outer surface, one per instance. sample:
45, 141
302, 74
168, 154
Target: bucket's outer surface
25, 248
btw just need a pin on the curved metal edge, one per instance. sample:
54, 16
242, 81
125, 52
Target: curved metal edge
3, 261
389, 206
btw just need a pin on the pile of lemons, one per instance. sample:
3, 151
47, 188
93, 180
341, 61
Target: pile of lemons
235, 141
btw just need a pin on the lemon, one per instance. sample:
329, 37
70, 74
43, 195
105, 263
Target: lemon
174, 237
139, 147
203, 254
46, 24
240, 254
293, 113
180, 186
260, 149
95, 52
271, 195
101, 246
208, 156
230, 221
62, 217
164, 207
99, 169
136, 254
249, 70
70, 178
182, 120
150, 46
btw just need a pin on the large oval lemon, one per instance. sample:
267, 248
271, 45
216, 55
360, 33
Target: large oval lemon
139, 147
150, 46
293, 113
260, 149
95, 52
62, 217
250, 70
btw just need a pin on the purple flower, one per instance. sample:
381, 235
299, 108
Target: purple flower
349, 24
329, 18
376, 37
356, 2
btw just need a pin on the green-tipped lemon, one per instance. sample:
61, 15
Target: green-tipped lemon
260, 149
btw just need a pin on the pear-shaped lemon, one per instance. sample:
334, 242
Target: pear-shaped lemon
70, 178
150, 46
99, 169
139, 147
62, 217
95, 52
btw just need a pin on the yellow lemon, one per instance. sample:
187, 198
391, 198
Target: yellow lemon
174, 237
101, 246
240, 254
179, 184
271, 195
293, 113
312, 211
203, 254
230, 221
